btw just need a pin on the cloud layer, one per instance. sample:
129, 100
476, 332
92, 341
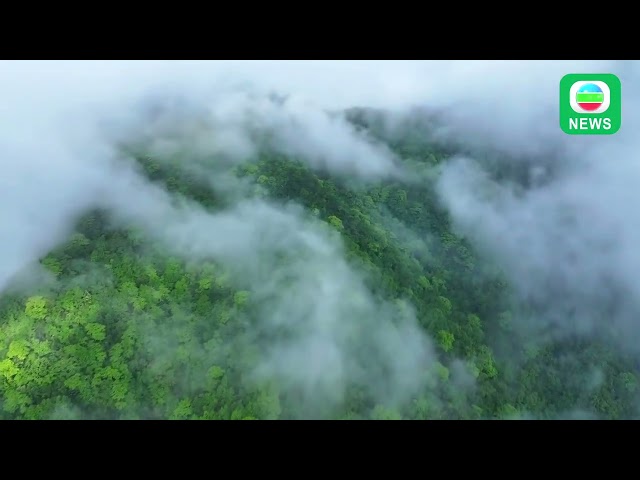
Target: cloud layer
569, 243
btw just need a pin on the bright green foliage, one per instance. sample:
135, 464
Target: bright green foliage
130, 331
446, 340
240, 298
335, 222
508, 412
383, 413
442, 371
52, 264
36, 308
183, 411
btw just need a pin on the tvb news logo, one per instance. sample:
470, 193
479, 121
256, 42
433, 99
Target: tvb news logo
590, 104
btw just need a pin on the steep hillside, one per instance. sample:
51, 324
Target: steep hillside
310, 295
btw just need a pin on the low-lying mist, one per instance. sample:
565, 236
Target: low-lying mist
566, 243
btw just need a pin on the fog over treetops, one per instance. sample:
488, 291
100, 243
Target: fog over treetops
314, 239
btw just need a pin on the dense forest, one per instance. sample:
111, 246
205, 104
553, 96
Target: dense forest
423, 325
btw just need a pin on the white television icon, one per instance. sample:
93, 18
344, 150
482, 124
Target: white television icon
605, 90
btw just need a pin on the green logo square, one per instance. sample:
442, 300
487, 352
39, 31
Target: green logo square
590, 104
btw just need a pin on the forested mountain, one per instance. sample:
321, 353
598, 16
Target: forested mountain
356, 300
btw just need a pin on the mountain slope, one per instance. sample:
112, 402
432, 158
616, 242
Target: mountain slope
311, 296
